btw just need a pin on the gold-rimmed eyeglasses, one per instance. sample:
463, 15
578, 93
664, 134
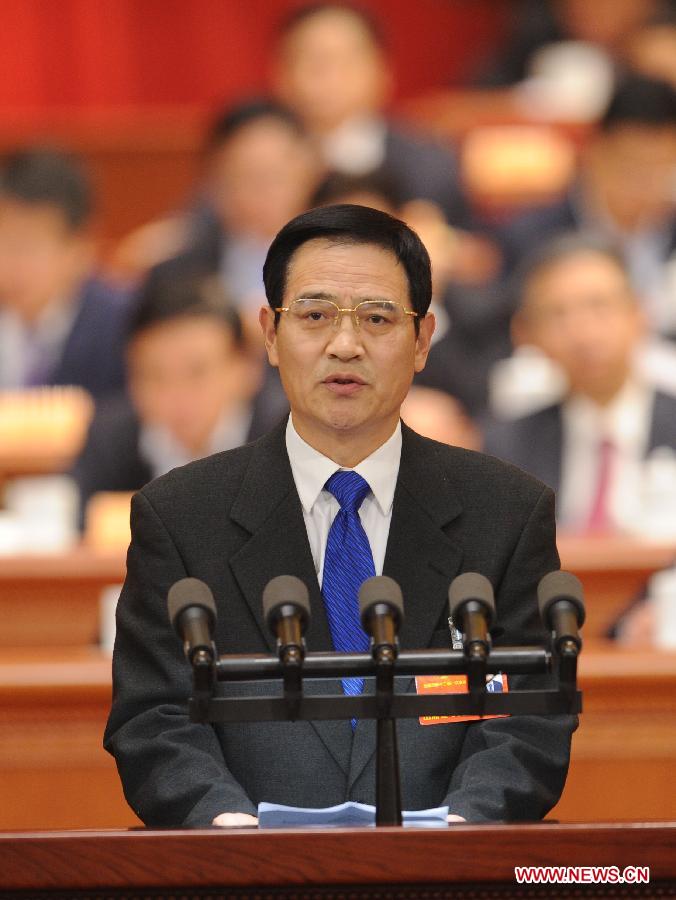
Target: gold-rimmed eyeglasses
374, 317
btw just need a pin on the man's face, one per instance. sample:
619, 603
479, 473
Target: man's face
41, 259
343, 381
261, 178
633, 168
185, 374
581, 313
330, 70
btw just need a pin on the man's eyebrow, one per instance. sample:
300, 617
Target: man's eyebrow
317, 295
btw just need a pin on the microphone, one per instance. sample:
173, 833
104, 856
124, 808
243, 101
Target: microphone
381, 608
471, 603
192, 613
561, 602
286, 607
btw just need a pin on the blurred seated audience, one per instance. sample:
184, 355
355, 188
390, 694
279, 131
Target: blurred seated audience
625, 190
565, 55
610, 442
332, 69
259, 173
60, 324
194, 386
439, 416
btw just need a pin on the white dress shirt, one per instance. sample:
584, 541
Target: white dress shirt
311, 470
626, 423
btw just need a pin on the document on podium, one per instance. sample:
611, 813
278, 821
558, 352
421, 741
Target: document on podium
345, 815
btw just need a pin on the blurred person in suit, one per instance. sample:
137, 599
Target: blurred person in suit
626, 190
332, 69
193, 389
259, 171
59, 322
579, 308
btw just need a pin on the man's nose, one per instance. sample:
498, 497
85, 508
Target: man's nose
345, 340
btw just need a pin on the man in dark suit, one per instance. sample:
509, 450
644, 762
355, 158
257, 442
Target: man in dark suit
59, 323
579, 309
347, 324
194, 389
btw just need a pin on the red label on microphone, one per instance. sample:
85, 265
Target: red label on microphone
456, 684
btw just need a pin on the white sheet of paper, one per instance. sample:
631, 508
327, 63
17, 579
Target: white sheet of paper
275, 815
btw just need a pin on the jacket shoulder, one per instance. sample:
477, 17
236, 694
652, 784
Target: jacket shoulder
217, 478
477, 479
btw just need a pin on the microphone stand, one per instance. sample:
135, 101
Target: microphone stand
388, 786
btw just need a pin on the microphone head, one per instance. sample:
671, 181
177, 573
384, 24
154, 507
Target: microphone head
557, 586
189, 592
471, 586
282, 591
381, 589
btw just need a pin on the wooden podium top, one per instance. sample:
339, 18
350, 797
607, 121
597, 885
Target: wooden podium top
247, 858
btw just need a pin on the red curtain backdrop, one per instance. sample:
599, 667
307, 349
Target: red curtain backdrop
93, 56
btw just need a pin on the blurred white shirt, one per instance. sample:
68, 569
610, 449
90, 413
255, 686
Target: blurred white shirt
626, 423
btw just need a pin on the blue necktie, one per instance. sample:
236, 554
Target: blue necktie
348, 562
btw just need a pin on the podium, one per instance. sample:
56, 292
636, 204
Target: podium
462, 861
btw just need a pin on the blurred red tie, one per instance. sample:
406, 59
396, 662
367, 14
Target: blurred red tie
599, 513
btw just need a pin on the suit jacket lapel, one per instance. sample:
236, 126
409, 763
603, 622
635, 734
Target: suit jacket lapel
419, 556
268, 507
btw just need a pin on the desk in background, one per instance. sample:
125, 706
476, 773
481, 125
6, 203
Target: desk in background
53, 601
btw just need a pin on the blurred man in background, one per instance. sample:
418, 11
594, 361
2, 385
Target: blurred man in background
626, 189
193, 384
332, 70
259, 172
578, 307
59, 323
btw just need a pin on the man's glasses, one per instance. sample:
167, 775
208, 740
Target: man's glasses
374, 317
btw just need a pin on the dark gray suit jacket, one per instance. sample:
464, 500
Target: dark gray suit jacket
535, 442
235, 521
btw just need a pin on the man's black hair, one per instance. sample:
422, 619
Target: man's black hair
350, 224
641, 101
232, 120
49, 177
304, 13
188, 296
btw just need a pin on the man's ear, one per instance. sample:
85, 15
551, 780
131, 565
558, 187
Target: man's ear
266, 317
424, 341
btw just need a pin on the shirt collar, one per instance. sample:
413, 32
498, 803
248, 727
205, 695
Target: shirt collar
625, 421
311, 469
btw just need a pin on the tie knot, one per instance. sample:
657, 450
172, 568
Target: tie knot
349, 489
